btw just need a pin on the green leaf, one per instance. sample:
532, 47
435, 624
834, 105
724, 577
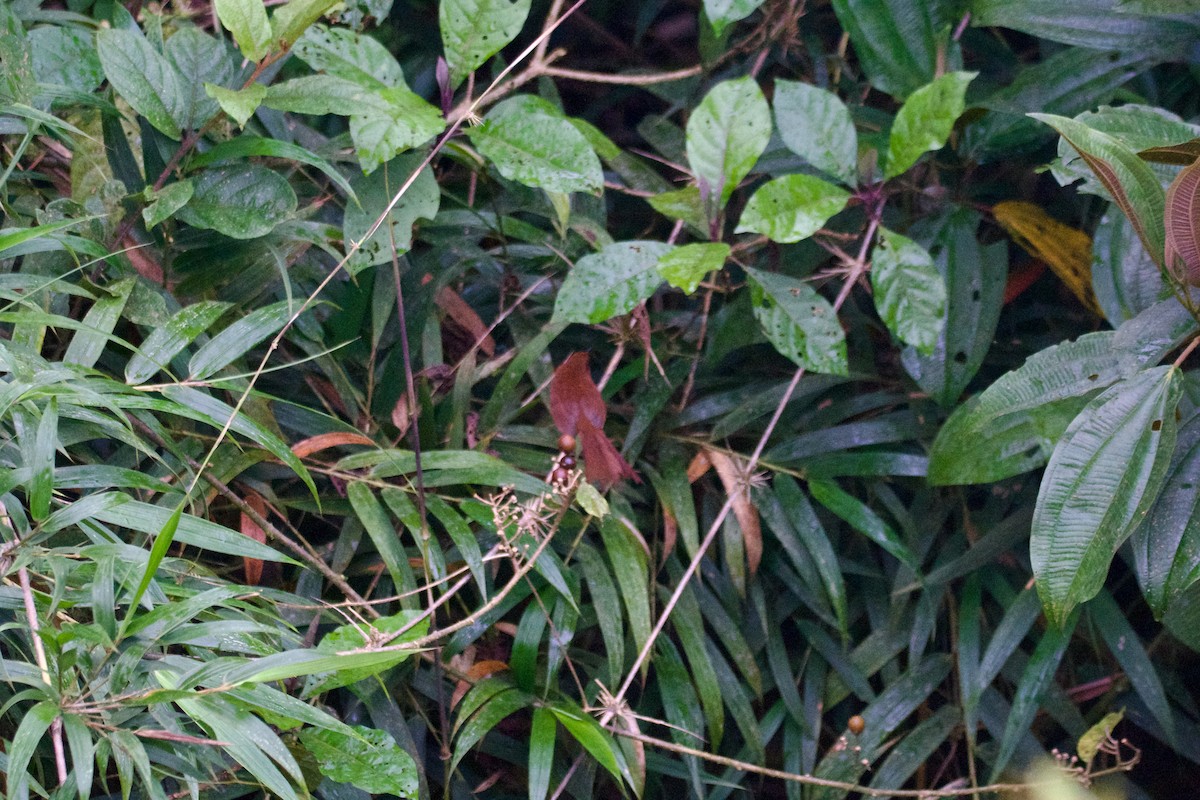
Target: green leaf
530, 142
589, 734
684, 267
606, 284
396, 120
909, 292
1098, 24
916, 748
24, 742
1013, 425
144, 77
475, 30
591, 501
862, 519
1127, 649
799, 322
245, 145
247, 21
158, 551
726, 134
321, 94
167, 201
194, 53
167, 340
292, 19
191, 530
496, 708
682, 204
1127, 178
239, 104
237, 339
88, 343
541, 752
369, 759
383, 534
245, 201
375, 193
11, 237
629, 563
894, 41
792, 208
65, 56
1166, 546
1124, 276
606, 600
1102, 478
349, 55
40, 459
722, 13
1089, 743
974, 276
1032, 688
925, 120
816, 125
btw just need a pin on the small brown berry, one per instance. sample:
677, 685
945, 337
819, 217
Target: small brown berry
560, 476
856, 724
566, 443
567, 461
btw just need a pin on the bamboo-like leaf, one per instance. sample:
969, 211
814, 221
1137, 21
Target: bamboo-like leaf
541, 752
167, 340
1127, 178
1102, 478
1182, 219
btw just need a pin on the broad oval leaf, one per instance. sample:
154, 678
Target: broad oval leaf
475, 30
726, 134
167, 201
1101, 480
1098, 24
239, 104
799, 322
816, 125
243, 201
247, 21
144, 77
722, 13
369, 759
684, 267
531, 142
792, 208
925, 120
293, 18
375, 193
910, 294
603, 285
194, 53
350, 55
1182, 218
394, 121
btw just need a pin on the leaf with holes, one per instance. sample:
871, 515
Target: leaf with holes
1103, 477
603, 285
726, 134
529, 141
816, 125
799, 322
684, 267
925, 120
792, 208
475, 30
910, 294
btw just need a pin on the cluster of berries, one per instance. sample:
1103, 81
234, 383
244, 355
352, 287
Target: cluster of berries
565, 462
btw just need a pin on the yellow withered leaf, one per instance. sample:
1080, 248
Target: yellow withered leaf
1066, 250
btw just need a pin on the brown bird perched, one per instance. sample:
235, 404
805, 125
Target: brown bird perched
579, 412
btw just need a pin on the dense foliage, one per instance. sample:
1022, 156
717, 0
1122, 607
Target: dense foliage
291, 498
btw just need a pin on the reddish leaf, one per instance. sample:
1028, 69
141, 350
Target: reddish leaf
324, 441
1182, 217
249, 527
1182, 154
578, 410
